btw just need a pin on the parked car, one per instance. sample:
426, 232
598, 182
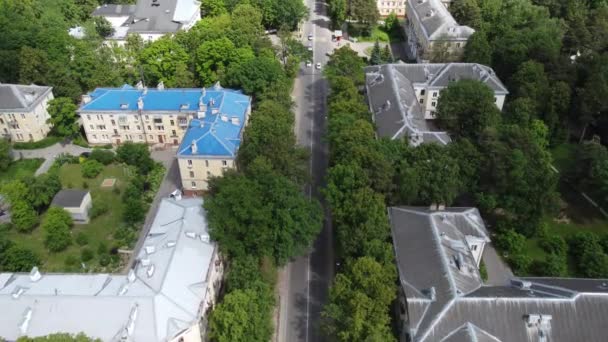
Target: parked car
318, 65
310, 37
308, 64
176, 195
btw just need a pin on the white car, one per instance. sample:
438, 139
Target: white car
310, 37
309, 46
308, 64
318, 66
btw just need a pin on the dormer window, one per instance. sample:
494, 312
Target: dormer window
184, 106
124, 105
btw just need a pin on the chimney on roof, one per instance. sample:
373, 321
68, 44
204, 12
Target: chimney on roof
161, 85
35, 274
140, 103
86, 98
145, 91
139, 85
235, 121
432, 293
131, 276
194, 147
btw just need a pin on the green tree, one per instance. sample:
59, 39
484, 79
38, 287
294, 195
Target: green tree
103, 156
244, 273
359, 302
60, 337
337, 12
270, 134
428, 174
103, 27
246, 26
365, 12
212, 8
14, 191
511, 241
42, 189
23, 216
387, 55
256, 75
135, 154
282, 228
467, 12
5, 154
212, 59
19, 259
57, 225
160, 60
345, 62
466, 108
63, 116
376, 56
243, 315
91, 168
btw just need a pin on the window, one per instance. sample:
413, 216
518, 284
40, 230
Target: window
115, 131
147, 118
160, 127
158, 121
206, 163
423, 91
421, 101
193, 185
149, 128
23, 116
474, 247
94, 137
151, 137
101, 126
224, 163
172, 123
457, 44
126, 128
88, 117
113, 123
434, 94
189, 162
174, 133
99, 117
433, 103
495, 99
191, 174
138, 127
92, 127
1, 121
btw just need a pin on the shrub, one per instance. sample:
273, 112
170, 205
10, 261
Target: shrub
23, 216
82, 239
98, 209
71, 260
581, 242
520, 263
57, 225
511, 241
553, 266
91, 168
19, 259
102, 249
116, 190
593, 263
103, 156
86, 254
554, 244
105, 259
85, 185
137, 155
80, 141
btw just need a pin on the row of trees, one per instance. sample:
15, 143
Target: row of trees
363, 11
365, 286
258, 213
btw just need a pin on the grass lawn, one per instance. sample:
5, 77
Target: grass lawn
379, 33
580, 214
100, 229
21, 168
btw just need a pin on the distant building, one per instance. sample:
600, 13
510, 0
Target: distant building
403, 97
165, 297
443, 298
76, 202
430, 27
206, 123
23, 111
394, 6
150, 19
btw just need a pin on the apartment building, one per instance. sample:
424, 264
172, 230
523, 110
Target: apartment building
431, 28
403, 97
164, 297
23, 112
387, 7
150, 19
453, 303
206, 124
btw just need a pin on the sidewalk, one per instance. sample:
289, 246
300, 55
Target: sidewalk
49, 154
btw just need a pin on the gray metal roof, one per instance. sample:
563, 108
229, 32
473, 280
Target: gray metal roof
21, 98
463, 309
114, 10
69, 198
435, 20
163, 16
392, 96
158, 299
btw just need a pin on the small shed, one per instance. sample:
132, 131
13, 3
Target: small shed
76, 202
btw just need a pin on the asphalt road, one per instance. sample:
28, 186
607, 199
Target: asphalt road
307, 278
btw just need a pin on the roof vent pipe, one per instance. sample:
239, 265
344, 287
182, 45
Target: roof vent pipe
194, 147
35, 274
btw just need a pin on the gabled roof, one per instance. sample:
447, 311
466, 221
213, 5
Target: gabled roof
436, 21
158, 298
21, 98
459, 308
114, 10
69, 198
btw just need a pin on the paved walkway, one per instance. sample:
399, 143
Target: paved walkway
498, 272
49, 154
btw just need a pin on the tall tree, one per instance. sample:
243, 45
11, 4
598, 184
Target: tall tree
160, 59
63, 116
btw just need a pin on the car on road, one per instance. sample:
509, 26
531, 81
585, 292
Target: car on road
308, 64
310, 36
309, 46
318, 66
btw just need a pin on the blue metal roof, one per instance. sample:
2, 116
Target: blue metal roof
217, 134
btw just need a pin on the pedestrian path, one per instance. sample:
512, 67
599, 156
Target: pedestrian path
49, 154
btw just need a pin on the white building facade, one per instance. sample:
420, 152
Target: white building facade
23, 112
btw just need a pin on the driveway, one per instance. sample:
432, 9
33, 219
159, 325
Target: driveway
49, 154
